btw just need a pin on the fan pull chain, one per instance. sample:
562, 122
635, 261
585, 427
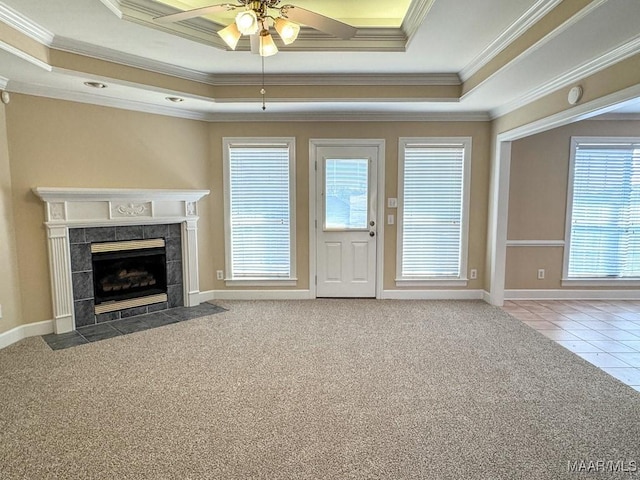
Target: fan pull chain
262, 90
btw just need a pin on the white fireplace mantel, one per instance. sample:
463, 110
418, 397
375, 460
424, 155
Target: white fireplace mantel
103, 207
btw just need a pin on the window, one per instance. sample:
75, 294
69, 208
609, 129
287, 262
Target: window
434, 186
346, 194
603, 207
259, 208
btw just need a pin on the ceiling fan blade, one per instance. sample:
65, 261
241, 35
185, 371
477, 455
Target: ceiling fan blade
319, 22
196, 12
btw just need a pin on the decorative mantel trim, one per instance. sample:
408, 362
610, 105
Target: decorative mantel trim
85, 207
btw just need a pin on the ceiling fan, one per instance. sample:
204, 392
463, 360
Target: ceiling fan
255, 18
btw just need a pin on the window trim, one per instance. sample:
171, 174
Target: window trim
290, 143
418, 281
594, 281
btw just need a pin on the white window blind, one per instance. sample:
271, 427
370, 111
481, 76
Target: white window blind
605, 211
259, 210
433, 230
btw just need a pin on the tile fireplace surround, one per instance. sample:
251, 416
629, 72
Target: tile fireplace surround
67, 209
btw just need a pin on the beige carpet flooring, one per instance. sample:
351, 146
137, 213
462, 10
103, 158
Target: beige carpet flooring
323, 389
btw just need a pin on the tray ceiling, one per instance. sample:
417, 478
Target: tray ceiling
358, 13
463, 59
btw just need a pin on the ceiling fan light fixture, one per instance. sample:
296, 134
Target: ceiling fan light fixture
247, 22
231, 35
267, 45
287, 30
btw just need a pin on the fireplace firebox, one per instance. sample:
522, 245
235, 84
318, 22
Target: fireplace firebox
128, 274
125, 271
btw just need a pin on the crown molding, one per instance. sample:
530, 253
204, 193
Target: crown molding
610, 58
351, 117
88, 98
613, 116
3, 83
143, 12
537, 11
102, 53
369, 39
542, 41
204, 31
114, 6
92, 99
24, 56
24, 25
338, 79
417, 12
106, 54
577, 113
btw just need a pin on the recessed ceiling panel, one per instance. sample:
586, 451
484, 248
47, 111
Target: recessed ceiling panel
358, 13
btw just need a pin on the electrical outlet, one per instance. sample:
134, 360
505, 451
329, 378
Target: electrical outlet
220, 274
473, 274
541, 274
392, 203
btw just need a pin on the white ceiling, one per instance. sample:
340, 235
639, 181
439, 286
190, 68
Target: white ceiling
454, 38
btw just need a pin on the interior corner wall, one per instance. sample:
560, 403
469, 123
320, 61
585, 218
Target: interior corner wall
538, 200
9, 280
55, 143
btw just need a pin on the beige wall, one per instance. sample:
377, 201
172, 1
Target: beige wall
58, 143
390, 132
9, 292
538, 199
55, 143
65, 144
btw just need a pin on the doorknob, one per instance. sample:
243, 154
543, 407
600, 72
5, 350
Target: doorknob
372, 223
372, 234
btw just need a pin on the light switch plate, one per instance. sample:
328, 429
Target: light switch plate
391, 219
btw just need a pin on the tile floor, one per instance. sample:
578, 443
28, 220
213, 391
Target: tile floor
115, 328
605, 333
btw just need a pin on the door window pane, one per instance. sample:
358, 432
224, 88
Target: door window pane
346, 194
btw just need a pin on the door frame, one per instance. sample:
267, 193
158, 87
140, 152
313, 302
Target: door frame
314, 144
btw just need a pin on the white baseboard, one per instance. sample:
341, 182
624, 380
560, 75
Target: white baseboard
306, 295
433, 294
565, 294
255, 295
207, 296
24, 331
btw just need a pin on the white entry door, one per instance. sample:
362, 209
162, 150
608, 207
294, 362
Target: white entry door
346, 230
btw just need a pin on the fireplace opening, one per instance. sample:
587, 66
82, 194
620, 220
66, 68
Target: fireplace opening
132, 273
